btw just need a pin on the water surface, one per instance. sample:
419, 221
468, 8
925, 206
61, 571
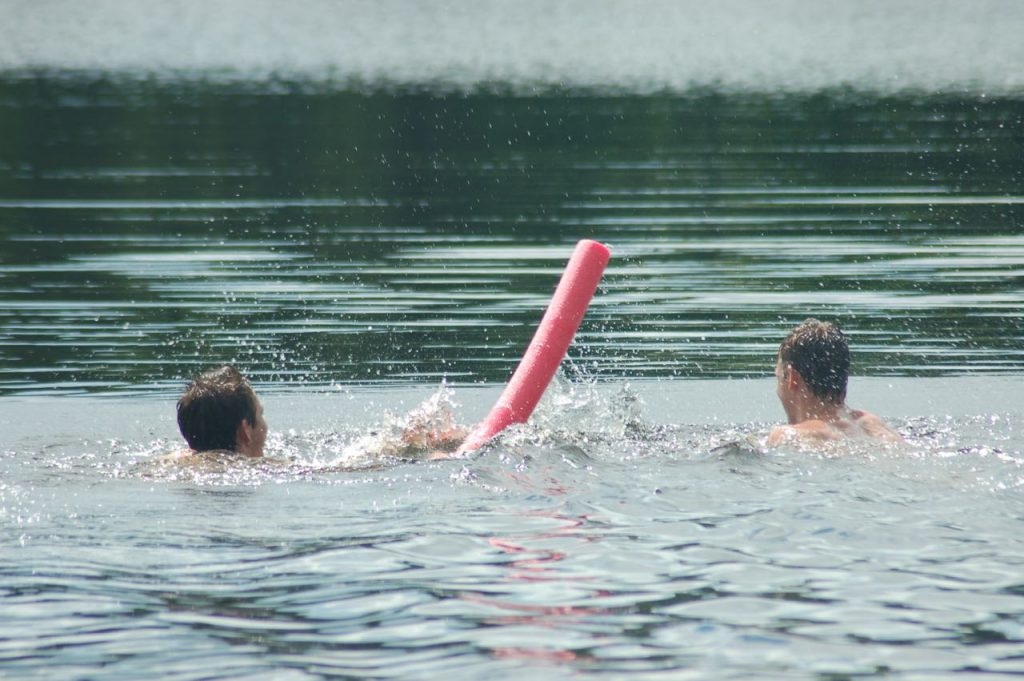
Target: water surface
608, 538
356, 202
339, 237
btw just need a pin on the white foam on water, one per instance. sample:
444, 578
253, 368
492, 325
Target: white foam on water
655, 45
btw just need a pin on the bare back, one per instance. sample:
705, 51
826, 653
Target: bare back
848, 424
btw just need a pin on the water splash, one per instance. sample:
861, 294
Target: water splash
428, 431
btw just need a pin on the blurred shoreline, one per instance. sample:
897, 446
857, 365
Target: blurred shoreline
923, 46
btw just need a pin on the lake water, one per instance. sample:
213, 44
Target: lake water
358, 203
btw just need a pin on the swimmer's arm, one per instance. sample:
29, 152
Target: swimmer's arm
447, 446
436, 445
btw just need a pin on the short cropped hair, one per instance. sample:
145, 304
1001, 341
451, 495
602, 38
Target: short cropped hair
212, 407
820, 353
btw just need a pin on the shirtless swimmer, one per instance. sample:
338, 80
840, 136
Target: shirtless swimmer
219, 413
812, 371
221, 419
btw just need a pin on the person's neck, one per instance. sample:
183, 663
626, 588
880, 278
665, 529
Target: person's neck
243, 450
813, 408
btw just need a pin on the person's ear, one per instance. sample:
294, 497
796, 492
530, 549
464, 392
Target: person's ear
793, 378
243, 435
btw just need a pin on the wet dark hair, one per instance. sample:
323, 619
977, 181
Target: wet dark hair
212, 407
820, 353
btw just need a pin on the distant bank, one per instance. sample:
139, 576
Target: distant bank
525, 45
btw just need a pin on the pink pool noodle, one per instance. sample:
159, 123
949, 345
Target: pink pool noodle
549, 345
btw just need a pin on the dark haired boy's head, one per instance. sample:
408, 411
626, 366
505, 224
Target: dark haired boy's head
220, 411
820, 353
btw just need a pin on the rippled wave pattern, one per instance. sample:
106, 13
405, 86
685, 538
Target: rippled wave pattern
598, 547
358, 201
323, 237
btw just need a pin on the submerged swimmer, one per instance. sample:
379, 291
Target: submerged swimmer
221, 419
219, 413
812, 371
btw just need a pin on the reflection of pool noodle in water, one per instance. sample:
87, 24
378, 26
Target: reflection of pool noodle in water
549, 344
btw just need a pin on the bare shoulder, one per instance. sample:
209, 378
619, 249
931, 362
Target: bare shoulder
781, 435
178, 456
214, 460
806, 431
872, 426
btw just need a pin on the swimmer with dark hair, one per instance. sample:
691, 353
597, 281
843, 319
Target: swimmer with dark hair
812, 370
221, 419
219, 413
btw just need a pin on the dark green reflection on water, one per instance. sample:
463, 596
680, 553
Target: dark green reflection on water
151, 228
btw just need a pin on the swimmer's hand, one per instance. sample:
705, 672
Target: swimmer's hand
442, 443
